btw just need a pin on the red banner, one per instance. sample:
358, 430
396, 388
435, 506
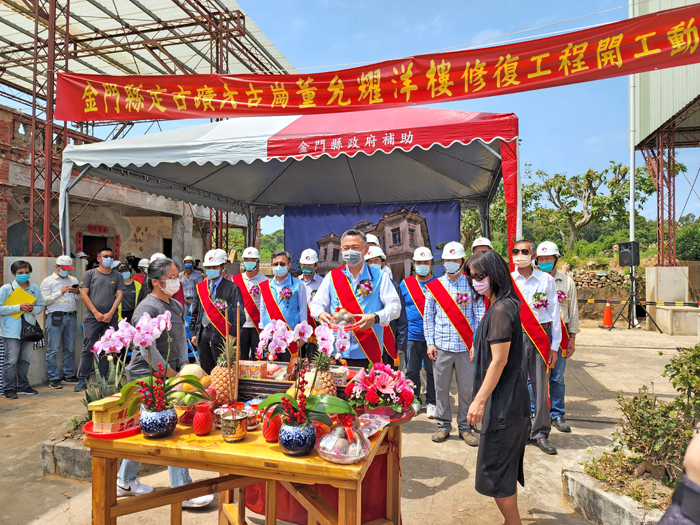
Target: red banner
660, 40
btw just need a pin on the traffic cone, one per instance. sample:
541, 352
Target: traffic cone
607, 316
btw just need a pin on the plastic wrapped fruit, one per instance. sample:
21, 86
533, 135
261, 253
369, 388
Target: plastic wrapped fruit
344, 444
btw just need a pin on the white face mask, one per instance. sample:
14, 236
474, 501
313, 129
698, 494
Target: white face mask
522, 261
171, 286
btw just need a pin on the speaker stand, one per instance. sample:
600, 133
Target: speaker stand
633, 301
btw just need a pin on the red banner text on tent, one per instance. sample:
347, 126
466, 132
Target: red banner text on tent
665, 39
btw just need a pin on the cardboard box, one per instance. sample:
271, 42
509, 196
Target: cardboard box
340, 373
253, 369
124, 424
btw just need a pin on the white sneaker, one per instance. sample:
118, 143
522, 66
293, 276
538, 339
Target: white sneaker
416, 408
430, 410
135, 488
201, 501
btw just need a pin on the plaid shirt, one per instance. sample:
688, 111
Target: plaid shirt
437, 327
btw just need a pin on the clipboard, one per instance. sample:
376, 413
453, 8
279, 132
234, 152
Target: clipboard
19, 296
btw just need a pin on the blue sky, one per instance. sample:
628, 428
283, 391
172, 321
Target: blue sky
566, 129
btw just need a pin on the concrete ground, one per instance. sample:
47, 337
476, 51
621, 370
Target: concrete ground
438, 479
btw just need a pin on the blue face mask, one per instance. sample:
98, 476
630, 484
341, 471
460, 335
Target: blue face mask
376, 266
188, 266
250, 265
307, 270
213, 274
126, 275
63, 273
422, 270
279, 271
107, 262
452, 267
23, 278
546, 267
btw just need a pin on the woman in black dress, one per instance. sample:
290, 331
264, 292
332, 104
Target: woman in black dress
501, 400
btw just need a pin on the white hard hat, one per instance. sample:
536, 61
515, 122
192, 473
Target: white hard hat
422, 254
188, 258
453, 250
143, 263
115, 264
215, 258
481, 241
372, 239
251, 253
548, 248
374, 251
309, 256
80, 255
157, 256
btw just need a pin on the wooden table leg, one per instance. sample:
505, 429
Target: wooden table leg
104, 490
270, 502
310, 520
225, 498
241, 506
176, 513
349, 512
393, 477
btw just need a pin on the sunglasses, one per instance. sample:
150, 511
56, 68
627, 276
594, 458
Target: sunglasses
524, 251
279, 264
479, 276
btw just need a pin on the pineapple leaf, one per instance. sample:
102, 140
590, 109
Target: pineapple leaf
326, 404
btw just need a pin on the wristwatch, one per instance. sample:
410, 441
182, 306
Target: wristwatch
376, 319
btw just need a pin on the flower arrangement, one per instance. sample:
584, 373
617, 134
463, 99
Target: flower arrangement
539, 300
254, 290
286, 293
276, 338
313, 292
380, 387
220, 305
111, 344
363, 288
296, 415
462, 299
156, 393
561, 295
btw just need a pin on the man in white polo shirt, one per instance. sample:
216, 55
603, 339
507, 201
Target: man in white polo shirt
248, 282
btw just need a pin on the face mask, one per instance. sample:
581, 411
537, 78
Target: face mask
85, 262
63, 273
213, 274
145, 270
107, 262
482, 287
546, 267
279, 271
352, 257
126, 275
171, 287
376, 266
452, 267
422, 270
188, 266
250, 265
22, 278
307, 270
521, 261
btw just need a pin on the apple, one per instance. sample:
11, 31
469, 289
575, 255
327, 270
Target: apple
212, 392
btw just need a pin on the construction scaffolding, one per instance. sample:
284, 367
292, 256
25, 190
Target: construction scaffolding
41, 37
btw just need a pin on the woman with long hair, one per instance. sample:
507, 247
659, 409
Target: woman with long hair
501, 401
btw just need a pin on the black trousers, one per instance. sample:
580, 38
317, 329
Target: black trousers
209, 343
92, 331
248, 343
362, 363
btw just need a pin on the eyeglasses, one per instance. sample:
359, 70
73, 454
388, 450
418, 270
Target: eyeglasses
479, 276
524, 251
279, 264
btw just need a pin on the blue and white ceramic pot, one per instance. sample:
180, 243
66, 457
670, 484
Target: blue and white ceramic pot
297, 440
158, 424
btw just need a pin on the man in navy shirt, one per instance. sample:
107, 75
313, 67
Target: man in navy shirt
413, 295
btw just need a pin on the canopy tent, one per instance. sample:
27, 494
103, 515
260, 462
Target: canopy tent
258, 165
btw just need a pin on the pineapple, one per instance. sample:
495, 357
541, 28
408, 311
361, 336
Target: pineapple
220, 378
325, 381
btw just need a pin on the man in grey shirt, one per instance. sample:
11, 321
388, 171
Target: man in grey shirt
101, 291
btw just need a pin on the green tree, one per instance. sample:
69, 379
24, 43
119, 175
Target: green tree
584, 198
271, 243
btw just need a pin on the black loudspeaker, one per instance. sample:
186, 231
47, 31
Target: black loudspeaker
629, 253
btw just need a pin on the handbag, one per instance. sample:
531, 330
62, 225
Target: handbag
30, 332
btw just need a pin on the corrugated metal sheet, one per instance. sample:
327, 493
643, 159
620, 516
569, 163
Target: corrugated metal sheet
660, 95
89, 16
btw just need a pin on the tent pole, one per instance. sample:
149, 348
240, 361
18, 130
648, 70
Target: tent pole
632, 174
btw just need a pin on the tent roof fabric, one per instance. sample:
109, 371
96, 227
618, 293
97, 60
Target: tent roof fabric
390, 155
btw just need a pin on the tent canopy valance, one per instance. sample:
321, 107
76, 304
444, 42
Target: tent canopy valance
258, 165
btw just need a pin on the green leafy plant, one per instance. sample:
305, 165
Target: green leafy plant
102, 387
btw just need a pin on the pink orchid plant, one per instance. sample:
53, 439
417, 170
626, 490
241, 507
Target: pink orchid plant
380, 386
276, 338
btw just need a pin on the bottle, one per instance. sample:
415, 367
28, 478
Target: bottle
203, 420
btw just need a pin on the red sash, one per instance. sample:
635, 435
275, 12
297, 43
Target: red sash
274, 311
215, 316
452, 310
311, 320
532, 326
248, 302
564, 339
369, 342
416, 293
390, 343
